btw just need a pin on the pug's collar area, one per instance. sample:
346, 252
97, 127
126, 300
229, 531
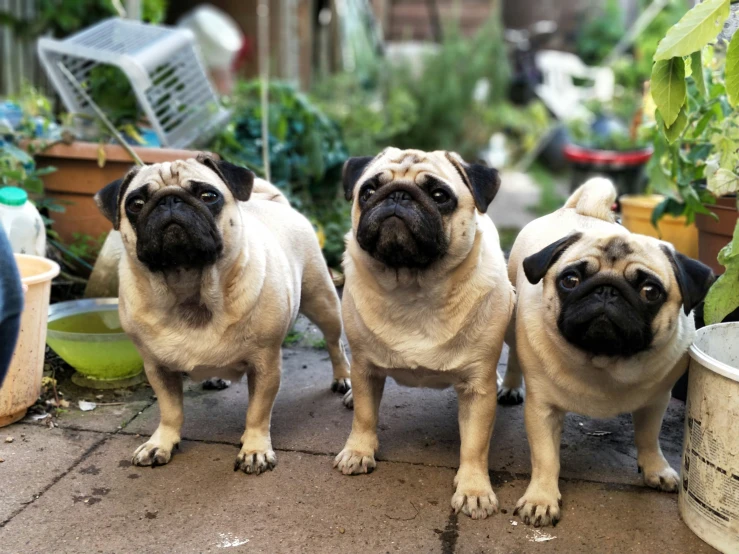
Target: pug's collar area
608, 315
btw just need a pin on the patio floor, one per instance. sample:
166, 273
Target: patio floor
72, 488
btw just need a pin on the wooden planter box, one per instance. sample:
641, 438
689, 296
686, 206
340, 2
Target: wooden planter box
77, 178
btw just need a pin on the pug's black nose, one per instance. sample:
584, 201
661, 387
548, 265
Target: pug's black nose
399, 196
607, 292
169, 201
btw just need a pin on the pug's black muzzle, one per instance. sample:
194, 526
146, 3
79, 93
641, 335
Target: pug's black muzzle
606, 316
175, 230
402, 227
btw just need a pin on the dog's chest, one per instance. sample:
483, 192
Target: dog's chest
422, 377
186, 349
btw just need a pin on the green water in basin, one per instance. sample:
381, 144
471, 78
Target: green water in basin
95, 345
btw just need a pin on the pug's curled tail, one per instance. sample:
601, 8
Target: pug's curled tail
264, 190
594, 198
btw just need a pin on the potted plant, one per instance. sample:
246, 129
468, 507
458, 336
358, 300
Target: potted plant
608, 144
695, 129
698, 116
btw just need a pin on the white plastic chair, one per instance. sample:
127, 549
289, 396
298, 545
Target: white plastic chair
561, 94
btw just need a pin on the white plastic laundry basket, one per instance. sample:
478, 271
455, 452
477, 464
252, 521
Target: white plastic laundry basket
162, 65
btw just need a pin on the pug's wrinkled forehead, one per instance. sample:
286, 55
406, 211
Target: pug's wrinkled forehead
622, 254
411, 166
179, 173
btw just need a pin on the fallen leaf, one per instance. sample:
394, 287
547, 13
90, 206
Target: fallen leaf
38, 417
86, 406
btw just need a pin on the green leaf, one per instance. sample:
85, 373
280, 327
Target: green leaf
696, 66
668, 88
698, 27
723, 182
674, 131
732, 71
723, 298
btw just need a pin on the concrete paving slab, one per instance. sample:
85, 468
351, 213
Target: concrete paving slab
416, 425
104, 419
36, 458
198, 504
514, 203
602, 518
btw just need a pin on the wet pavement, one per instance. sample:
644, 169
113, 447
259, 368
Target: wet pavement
72, 488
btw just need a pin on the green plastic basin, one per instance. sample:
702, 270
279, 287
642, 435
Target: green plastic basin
87, 334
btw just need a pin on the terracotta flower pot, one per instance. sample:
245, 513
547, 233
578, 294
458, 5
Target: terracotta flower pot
78, 177
636, 215
714, 235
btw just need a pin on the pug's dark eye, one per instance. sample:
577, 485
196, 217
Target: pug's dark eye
208, 196
569, 281
650, 292
440, 196
367, 192
135, 205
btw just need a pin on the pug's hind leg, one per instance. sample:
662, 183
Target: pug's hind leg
510, 392
358, 455
167, 386
540, 505
474, 494
263, 377
654, 467
320, 304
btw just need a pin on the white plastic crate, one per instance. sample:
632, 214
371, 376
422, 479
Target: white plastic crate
162, 65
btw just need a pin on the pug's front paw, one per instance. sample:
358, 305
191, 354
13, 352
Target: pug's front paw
355, 462
474, 495
539, 507
664, 479
255, 462
152, 454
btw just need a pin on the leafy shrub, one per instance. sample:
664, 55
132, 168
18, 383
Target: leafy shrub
306, 154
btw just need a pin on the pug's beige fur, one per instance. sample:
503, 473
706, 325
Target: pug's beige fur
561, 378
270, 269
435, 327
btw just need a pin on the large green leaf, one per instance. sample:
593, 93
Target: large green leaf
696, 66
723, 298
723, 182
732, 71
697, 28
668, 88
673, 132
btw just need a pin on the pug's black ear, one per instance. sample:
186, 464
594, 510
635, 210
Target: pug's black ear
693, 278
239, 180
109, 197
353, 169
537, 265
483, 181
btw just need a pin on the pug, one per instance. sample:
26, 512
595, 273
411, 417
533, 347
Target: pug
602, 327
216, 267
426, 300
